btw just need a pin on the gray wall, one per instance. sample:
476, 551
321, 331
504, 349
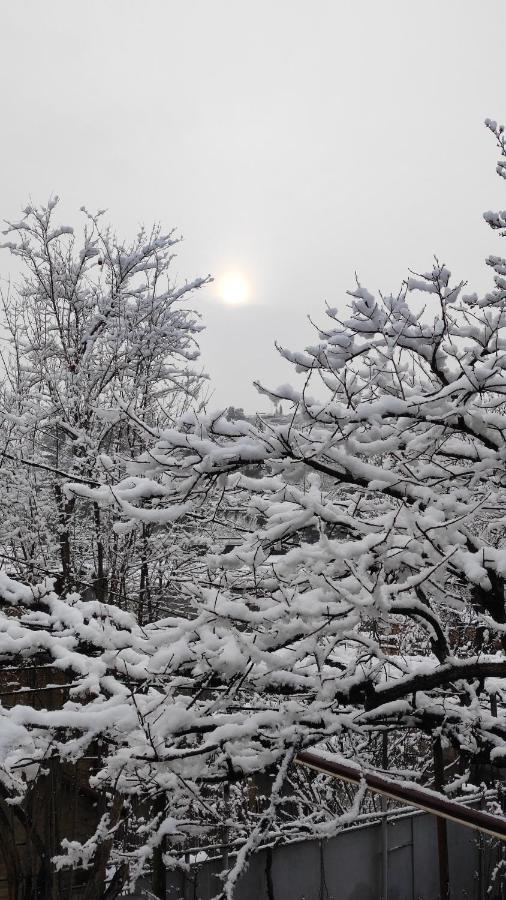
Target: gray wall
349, 867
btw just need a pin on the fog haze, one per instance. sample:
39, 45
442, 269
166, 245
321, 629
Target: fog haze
296, 142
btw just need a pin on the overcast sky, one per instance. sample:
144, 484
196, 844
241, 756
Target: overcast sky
297, 142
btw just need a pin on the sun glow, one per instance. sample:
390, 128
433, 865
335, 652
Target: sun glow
234, 288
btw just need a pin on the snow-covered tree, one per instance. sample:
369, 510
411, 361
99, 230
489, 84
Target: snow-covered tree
363, 593
98, 335
393, 456
95, 334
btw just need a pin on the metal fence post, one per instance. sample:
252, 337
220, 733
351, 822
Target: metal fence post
384, 822
442, 833
502, 854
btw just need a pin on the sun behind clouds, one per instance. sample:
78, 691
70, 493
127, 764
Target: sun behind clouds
234, 288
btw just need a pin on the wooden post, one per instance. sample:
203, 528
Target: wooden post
159, 878
225, 834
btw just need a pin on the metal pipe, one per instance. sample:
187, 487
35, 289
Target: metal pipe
420, 797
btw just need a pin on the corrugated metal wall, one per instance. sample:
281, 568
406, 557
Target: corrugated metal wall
349, 867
